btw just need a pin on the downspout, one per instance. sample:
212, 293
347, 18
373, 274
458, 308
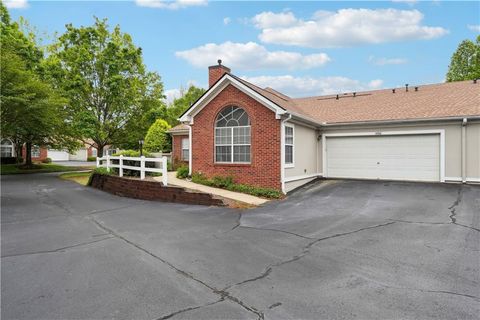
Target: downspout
464, 150
190, 150
282, 151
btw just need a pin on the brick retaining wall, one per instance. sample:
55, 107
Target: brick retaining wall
151, 190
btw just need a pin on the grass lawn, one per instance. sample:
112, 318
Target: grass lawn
78, 177
41, 167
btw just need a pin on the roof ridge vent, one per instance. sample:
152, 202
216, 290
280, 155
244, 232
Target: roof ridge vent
475, 81
406, 87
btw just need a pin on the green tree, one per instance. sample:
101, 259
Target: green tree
157, 139
102, 74
465, 62
31, 111
180, 105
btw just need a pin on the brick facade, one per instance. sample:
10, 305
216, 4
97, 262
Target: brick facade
151, 190
43, 154
177, 150
264, 169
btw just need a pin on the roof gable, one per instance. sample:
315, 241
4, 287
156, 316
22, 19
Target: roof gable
222, 83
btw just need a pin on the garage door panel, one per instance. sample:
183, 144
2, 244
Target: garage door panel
406, 157
57, 155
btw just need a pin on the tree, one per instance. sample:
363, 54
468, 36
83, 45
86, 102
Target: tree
102, 74
180, 105
157, 138
32, 112
465, 62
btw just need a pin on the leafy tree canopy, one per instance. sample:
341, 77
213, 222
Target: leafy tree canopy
109, 90
157, 139
465, 62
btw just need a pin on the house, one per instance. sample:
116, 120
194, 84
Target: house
265, 138
180, 145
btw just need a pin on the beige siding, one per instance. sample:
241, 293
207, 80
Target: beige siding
473, 151
453, 136
305, 152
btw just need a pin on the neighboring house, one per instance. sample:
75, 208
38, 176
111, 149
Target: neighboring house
8, 149
180, 145
265, 138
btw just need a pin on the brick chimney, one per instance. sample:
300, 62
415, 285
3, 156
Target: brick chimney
216, 72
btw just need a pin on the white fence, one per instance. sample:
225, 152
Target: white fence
108, 164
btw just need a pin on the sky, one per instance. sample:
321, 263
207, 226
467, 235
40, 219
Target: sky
298, 48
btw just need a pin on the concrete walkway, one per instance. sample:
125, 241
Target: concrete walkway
242, 197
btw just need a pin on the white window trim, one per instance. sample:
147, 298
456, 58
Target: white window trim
289, 165
10, 146
215, 145
187, 147
39, 151
440, 132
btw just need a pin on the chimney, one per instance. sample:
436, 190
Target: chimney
216, 72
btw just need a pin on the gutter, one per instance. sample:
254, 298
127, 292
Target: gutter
282, 150
373, 122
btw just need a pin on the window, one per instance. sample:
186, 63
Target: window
35, 152
94, 152
232, 136
289, 159
185, 149
6, 148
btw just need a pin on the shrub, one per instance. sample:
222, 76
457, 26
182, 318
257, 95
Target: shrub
227, 183
131, 153
157, 138
8, 160
101, 171
182, 172
47, 160
92, 159
222, 182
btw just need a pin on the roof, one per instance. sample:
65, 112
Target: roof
443, 100
179, 128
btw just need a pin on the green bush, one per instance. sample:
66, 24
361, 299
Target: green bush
182, 172
101, 171
47, 160
131, 153
92, 159
157, 138
222, 182
227, 183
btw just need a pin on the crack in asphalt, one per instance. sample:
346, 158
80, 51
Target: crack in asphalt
431, 291
303, 253
189, 309
455, 204
222, 293
237, 222
277, 230
58, 249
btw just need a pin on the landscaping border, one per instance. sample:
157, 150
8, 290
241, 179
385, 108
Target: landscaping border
151, 190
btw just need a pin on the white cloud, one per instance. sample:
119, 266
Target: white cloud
227, 20
271, 20
172, 5
386, 61
250, 56
409, 2
16, 4
348, 27
474, 28
311, 86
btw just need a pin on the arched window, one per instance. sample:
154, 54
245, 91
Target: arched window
232, 136
6, 148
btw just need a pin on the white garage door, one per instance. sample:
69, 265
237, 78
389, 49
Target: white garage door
401, 157
79, 155
57, 155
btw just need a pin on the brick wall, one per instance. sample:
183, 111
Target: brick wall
151, 190
264, 169
43, 154
177, 150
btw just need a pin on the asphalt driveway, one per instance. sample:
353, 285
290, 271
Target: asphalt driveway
335, 250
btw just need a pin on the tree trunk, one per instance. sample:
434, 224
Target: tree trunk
99, 151
28, 154
18, 152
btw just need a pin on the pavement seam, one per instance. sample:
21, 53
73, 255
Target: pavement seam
304, 252
277, 230
189, 309
58, 249
222, 293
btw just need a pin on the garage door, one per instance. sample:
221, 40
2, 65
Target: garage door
399, 157
57, 155
79, 155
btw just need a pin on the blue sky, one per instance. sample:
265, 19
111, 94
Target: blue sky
299, 48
